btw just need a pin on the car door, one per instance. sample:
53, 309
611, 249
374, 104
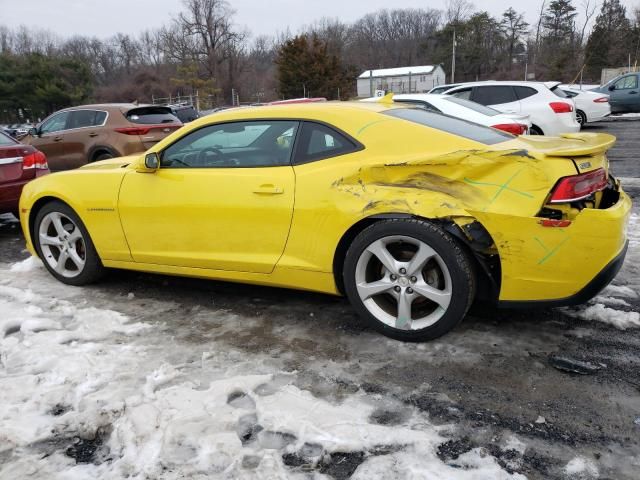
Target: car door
83, 133
625, 96
50, 139
500, 97
222, 199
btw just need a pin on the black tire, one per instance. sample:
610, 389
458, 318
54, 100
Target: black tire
581, 117
535, 130
456, 260
93, 269
103, 156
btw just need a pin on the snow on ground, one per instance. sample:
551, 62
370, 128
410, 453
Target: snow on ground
87, 392
617, 304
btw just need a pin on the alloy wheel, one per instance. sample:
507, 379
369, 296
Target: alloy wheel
403, 282
62, 244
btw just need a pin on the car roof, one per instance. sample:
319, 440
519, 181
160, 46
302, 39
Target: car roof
505, 82
105, 106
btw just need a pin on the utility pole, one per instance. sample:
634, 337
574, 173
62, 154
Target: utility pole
453, 58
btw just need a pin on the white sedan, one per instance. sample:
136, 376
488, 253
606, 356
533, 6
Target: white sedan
517, 124
590, 106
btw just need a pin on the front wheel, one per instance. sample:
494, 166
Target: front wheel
64, 245
409, 279
581, 117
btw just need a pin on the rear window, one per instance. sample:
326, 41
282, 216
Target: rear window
452, 125
476, 107
524, 92
494, 95
570, 94
6, 140
420, 103
151, 115
559, 92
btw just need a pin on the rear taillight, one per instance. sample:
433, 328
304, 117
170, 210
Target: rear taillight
577, 187
561, 107
147, 128
35, 160
602, 100
515, 128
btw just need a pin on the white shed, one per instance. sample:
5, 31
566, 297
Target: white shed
418, 79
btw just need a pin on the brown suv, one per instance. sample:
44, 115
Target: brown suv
75, 136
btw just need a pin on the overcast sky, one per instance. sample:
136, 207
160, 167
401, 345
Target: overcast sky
104, 18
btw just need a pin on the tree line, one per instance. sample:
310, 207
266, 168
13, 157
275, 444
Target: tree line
202, 50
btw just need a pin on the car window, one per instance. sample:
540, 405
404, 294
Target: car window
524, 92
86, 118
420, 103
448, 124
55, 123
263, 143
476, 107
319, 141
494, 94
626, 83
558, 92
570, 94
465, 94
151, 115
6, 140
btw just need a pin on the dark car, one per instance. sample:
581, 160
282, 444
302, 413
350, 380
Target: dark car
186, 113
624, 94
76, 136
18, 165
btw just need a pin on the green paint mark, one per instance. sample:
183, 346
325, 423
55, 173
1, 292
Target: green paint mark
501, 188
551, 253
544, 247
369, 125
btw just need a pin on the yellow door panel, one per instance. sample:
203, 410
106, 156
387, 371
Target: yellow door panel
217, 218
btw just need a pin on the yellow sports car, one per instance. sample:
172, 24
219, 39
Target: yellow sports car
411, 214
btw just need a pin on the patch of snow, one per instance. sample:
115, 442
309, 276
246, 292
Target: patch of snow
581, 468
27, 265
627, 115
618, 318
514, 443
152, 407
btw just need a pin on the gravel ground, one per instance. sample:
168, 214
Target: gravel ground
492, 379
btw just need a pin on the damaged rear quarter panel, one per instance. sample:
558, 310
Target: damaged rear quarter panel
334, 194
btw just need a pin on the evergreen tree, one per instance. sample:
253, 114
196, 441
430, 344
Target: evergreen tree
514, 28
560, 46
609, 44
305, 67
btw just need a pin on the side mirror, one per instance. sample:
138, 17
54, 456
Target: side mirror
151, 161
612, 88
34, 132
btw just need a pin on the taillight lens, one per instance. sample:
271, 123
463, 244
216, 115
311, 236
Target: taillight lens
577, 187
143, 130
515, 128
35, 160
602, 100
561, 107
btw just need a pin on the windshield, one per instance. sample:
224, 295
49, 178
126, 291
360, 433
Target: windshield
476, 107
455, 126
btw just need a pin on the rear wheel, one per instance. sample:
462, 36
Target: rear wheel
409, 279
64, 245
581, 117
103, 156
534, 130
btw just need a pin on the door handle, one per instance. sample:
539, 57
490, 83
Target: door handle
57, 139
93, 134
268, 189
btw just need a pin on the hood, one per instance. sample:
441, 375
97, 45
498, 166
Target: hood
111, 163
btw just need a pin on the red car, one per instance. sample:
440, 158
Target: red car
18, 164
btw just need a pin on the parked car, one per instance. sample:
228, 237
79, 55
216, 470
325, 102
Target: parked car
624, 93
443, 88
549, 109
409, 213
76, 136
19, 164
185, 113
514, 123
590, 106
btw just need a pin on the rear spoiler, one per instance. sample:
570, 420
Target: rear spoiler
583, 144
